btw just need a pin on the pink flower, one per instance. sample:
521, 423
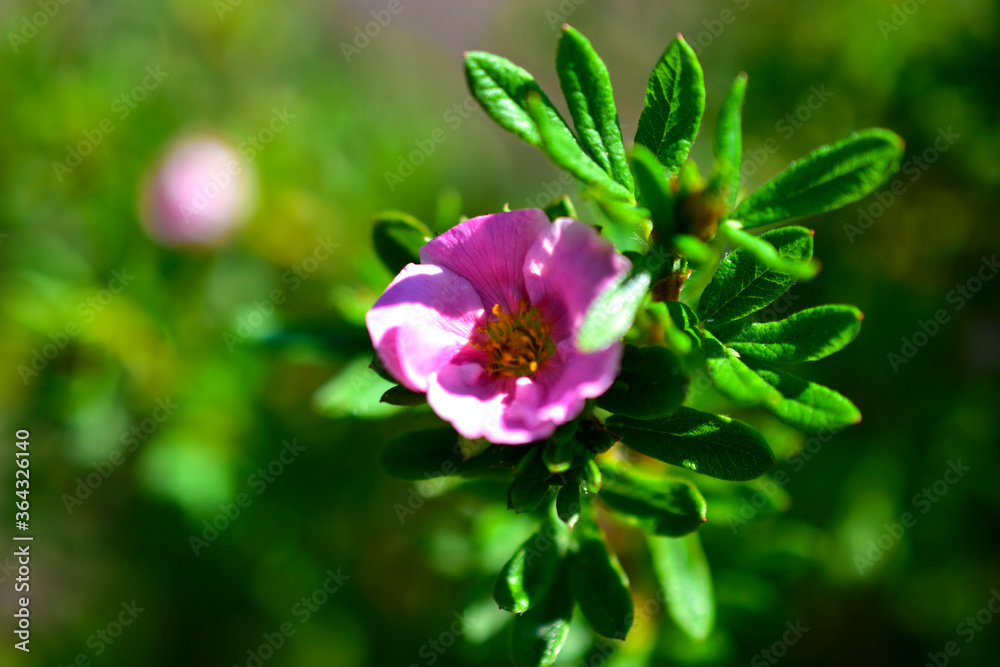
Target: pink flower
200, 193
485, 324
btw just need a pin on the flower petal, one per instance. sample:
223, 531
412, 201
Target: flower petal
422, 321
489, 252
574, 377
565, 271
481, 405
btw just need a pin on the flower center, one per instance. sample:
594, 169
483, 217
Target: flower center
516, 344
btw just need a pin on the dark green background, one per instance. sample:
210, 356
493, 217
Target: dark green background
332, 508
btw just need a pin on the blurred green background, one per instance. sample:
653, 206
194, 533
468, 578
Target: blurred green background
193, 331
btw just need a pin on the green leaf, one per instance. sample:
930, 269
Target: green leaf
675, 102
530, 486
651, 384
622, 213
568, 504
563, 149
743, 285
587, 88
538, 634
397, 238
700, 441
379, 368
767, 254
593, 475
671, 507
685, 325
728, 146
611, 314
695, 250
683, 571
354, 392
601, 588
594, 437
400, 395
501, 88
561, 208
438, 452
734, 379
808, 406
529, 574
558, 455
653, 190
805, 336
828, 178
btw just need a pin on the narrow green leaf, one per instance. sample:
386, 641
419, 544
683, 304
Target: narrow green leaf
700, 441
805, 336
400, 395
501, 87
674, 104
653, 190
698, 252
808, 406
828, 178
601, 588
587, 88
728, 147
683, 571
685, 323
530, 486
538, 634
529, 574
611, 314
397, 238
734, 379
568, 504
558, 455
767, 254
743, 285
561, 208
593, 476
651, 384
671, 507
625, 214
563, 149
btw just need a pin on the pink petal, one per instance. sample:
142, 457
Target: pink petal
570, 377
423, 320
565, 271
489, 252
481, 405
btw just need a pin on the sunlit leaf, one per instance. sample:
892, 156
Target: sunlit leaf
683, 571
587, 88
700, 441
674, 104
743, 285
728, 146
805, 336
828, 178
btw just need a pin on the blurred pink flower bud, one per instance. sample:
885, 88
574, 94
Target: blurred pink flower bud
198, 194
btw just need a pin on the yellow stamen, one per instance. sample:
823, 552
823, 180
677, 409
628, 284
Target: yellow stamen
516, 344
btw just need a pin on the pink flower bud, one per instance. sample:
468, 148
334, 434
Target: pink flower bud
200, 193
